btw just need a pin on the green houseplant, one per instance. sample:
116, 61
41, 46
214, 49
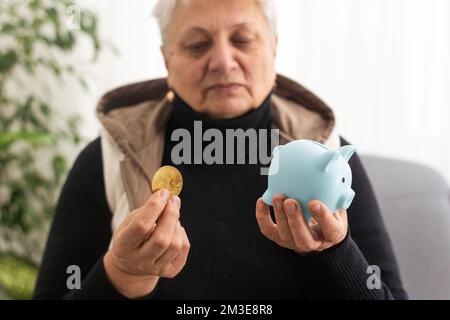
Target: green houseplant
37, 40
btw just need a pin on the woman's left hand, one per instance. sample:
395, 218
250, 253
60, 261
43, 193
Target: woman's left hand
292, 231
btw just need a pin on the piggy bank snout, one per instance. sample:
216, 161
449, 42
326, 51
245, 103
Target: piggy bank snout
345, 200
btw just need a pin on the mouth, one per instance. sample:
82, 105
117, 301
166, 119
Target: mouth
225, 87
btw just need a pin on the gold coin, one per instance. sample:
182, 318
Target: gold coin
168, 178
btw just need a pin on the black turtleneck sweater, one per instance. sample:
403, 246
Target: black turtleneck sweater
229, 257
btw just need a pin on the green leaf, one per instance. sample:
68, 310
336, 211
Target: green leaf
45, 109
7, 61
59, 165
52, 15
17, 276
34, 5
34, 138
7, 28
83, 83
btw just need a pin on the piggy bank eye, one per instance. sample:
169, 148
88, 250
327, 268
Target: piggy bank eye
343, 180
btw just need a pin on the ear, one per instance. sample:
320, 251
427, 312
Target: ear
275, 46
327, 158
166, 56
347, 151
276, 150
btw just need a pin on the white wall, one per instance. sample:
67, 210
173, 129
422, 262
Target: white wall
383, 66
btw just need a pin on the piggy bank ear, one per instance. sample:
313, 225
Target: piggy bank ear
347, 151
327, 158
276, 150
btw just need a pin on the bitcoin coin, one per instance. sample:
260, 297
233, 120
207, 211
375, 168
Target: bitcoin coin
168, 178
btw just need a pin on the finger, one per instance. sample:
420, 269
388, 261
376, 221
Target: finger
174, 249
341, 215
178, 263
329, 226
143, 220
265, 223
281, 220
300, 230
161, 238
128, 219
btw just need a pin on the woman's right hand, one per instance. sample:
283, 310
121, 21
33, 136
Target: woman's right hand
149, 244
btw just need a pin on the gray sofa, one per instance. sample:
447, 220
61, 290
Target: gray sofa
415, 204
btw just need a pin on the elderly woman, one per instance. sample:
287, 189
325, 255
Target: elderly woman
218, 239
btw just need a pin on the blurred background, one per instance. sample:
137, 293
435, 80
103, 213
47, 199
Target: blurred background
382, 65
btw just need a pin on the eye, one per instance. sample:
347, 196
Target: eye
198, 46
241, 41
343, 180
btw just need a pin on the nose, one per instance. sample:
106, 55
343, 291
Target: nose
223, 58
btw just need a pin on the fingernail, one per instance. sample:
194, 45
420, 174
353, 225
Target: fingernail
277, 201
259, 202
164, 195
316, 207
290, 207
175, 201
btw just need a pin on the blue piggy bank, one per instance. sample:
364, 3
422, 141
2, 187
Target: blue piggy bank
306, 170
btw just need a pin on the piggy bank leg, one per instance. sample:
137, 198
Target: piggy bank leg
267, 197
345, 199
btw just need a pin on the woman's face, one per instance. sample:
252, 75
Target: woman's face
220, 56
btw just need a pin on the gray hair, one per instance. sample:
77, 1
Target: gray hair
164, 9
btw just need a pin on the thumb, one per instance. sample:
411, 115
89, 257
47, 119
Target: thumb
324, 217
